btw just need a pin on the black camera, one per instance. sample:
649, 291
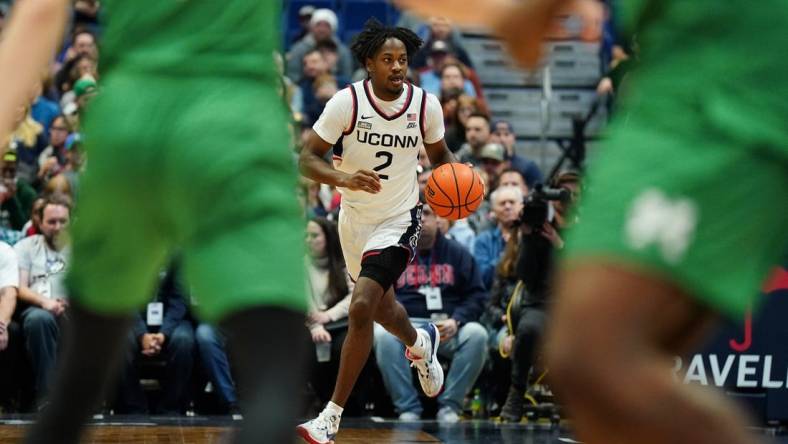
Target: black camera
536, 205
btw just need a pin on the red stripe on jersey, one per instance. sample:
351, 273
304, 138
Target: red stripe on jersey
355, 111
423, 113
379, 111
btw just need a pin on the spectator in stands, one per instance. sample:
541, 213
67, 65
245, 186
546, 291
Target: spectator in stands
330, 290
461, 231
315, 67
58, 184
441, 29
430, 77
43, 110
499, 312
422, 28
52, 159
83, 44
456, 112
330, 54
453, 78
43, 261
513, 178
324, 87
10, 341
33, 226
28, 140
163, 331
507, 203
477, 134
304, 16
442, 285
86, 66
491, 160
534, 268
482, 219
503, 133
86, 13
67, 181
309, 191
16, 195
212, 347
323, 26
84, 91
79, 67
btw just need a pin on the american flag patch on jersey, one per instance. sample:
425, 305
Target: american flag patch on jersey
411, 117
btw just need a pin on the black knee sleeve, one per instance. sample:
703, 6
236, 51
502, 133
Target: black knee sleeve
384, 266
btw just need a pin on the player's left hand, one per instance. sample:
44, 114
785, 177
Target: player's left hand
447, 329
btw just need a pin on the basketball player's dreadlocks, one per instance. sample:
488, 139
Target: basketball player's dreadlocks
375, 34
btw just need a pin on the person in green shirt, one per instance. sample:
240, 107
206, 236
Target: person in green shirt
684, 215
189, 152
16, 195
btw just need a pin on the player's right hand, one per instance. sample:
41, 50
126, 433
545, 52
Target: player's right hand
362, 180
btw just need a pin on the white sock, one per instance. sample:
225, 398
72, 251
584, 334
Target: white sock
419, 348
334, 409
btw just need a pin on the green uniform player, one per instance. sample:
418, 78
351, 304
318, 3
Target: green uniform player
189, 155
695, 171
189, 148
685, 210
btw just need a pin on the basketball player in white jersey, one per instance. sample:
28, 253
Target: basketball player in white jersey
376, 127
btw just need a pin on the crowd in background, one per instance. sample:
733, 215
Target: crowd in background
464, 277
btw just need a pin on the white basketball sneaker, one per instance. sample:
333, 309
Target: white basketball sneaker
321, 430
429, 369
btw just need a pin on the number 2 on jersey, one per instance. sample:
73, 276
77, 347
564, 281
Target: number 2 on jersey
389, 157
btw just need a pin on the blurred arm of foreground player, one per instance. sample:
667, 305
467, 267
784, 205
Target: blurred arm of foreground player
27, 45
610, 348
522, 24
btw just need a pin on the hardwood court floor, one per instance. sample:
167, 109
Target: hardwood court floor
218, 430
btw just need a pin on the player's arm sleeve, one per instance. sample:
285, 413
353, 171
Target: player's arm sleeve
434, 129
335, 118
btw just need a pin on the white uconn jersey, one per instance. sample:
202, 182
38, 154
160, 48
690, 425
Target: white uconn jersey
387, 143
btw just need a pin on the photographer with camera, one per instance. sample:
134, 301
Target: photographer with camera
545, 214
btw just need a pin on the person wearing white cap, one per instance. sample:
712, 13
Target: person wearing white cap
304, 18
322, 27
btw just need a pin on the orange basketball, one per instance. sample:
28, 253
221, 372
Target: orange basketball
454, 191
